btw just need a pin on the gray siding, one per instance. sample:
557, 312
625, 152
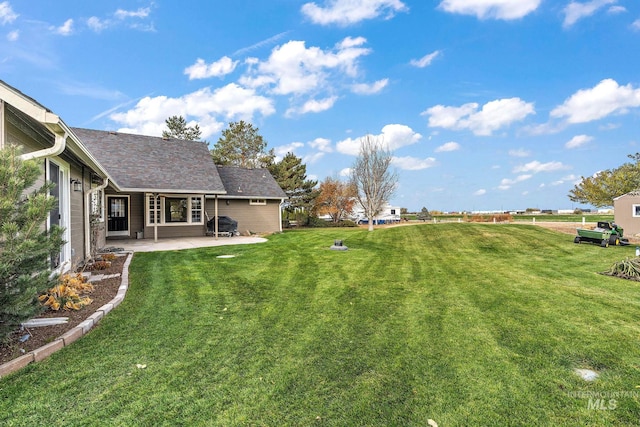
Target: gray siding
251, 218
623, 208
77, 218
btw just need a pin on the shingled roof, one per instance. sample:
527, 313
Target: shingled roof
247, 183
146, 163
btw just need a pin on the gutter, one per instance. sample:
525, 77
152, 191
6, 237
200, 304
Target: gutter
57, 149
87, 217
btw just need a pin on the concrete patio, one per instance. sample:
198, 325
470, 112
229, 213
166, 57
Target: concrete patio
148, 245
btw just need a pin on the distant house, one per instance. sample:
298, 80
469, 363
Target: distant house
626, 210
133, 186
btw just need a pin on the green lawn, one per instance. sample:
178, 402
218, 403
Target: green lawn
465, 324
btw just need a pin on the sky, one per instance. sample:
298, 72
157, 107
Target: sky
484, 104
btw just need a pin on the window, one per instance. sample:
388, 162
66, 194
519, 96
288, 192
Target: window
97, 213
175, 210
636, 211
257, 201
196, 209
153, 209
393, 211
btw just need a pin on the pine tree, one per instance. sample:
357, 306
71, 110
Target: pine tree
291, 174
242, 145
26, 248
178, 129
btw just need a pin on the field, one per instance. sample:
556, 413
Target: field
464, 324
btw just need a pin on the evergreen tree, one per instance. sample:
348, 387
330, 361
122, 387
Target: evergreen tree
291, 174
424, 214
242, 145
178, 129
26, 248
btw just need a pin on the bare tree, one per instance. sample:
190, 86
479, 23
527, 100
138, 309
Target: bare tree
372, 176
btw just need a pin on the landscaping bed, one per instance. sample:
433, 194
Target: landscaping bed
103, 292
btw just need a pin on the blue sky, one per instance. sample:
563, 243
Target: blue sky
486, 104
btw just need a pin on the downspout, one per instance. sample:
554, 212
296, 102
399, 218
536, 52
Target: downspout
56, 150
280, 213
215, 221
87, 217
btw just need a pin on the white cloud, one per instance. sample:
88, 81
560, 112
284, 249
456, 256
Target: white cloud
636, 25
345, 172
294, 69
577, 141
568, 178
449, 146
282, 150
7, 15
393, 136
312, 158
607, 97
346, 12
485, 9
97, 24
575, 11
480, 192
413, 163
65, 29
369, 89
227, 103
616, 9
321, 144
520, 152
122, 17
202, 70
313, 106
140, 13
535, 167
14, 35
425, 60
493, 115
506, 183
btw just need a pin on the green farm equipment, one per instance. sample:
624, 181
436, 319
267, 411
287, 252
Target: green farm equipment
605, 234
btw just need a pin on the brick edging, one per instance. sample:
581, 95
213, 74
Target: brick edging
72, 334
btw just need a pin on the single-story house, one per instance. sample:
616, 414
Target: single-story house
626, 210
113, 185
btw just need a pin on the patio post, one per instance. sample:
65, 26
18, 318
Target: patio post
215, 222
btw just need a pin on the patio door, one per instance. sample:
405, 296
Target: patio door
58, 174
117, 215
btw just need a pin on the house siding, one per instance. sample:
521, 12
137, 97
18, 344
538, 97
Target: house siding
77, 217
251, 218
623, 214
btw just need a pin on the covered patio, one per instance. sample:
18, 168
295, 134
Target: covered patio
179, 243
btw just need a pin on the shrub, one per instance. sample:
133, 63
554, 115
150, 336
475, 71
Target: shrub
100, 265
66, 295
108, 257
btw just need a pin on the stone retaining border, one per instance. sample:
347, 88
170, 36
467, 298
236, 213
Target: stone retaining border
73, 334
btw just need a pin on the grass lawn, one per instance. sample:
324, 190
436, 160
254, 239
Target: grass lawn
465, 324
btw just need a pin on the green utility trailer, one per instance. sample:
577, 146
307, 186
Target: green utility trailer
605, 234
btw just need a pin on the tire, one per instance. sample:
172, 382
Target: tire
614, 240
576, 240
604, 243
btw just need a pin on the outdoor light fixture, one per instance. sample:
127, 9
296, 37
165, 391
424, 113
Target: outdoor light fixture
77, 185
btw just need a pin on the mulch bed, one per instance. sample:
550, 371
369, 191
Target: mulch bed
104, 291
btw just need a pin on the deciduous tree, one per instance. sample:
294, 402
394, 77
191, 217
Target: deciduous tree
372, 177
335, 198
26, 248
600, 189
242, 145
177, 128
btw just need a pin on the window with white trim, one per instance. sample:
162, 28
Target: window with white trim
636, 211
97, 205
174, 210
257, 202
